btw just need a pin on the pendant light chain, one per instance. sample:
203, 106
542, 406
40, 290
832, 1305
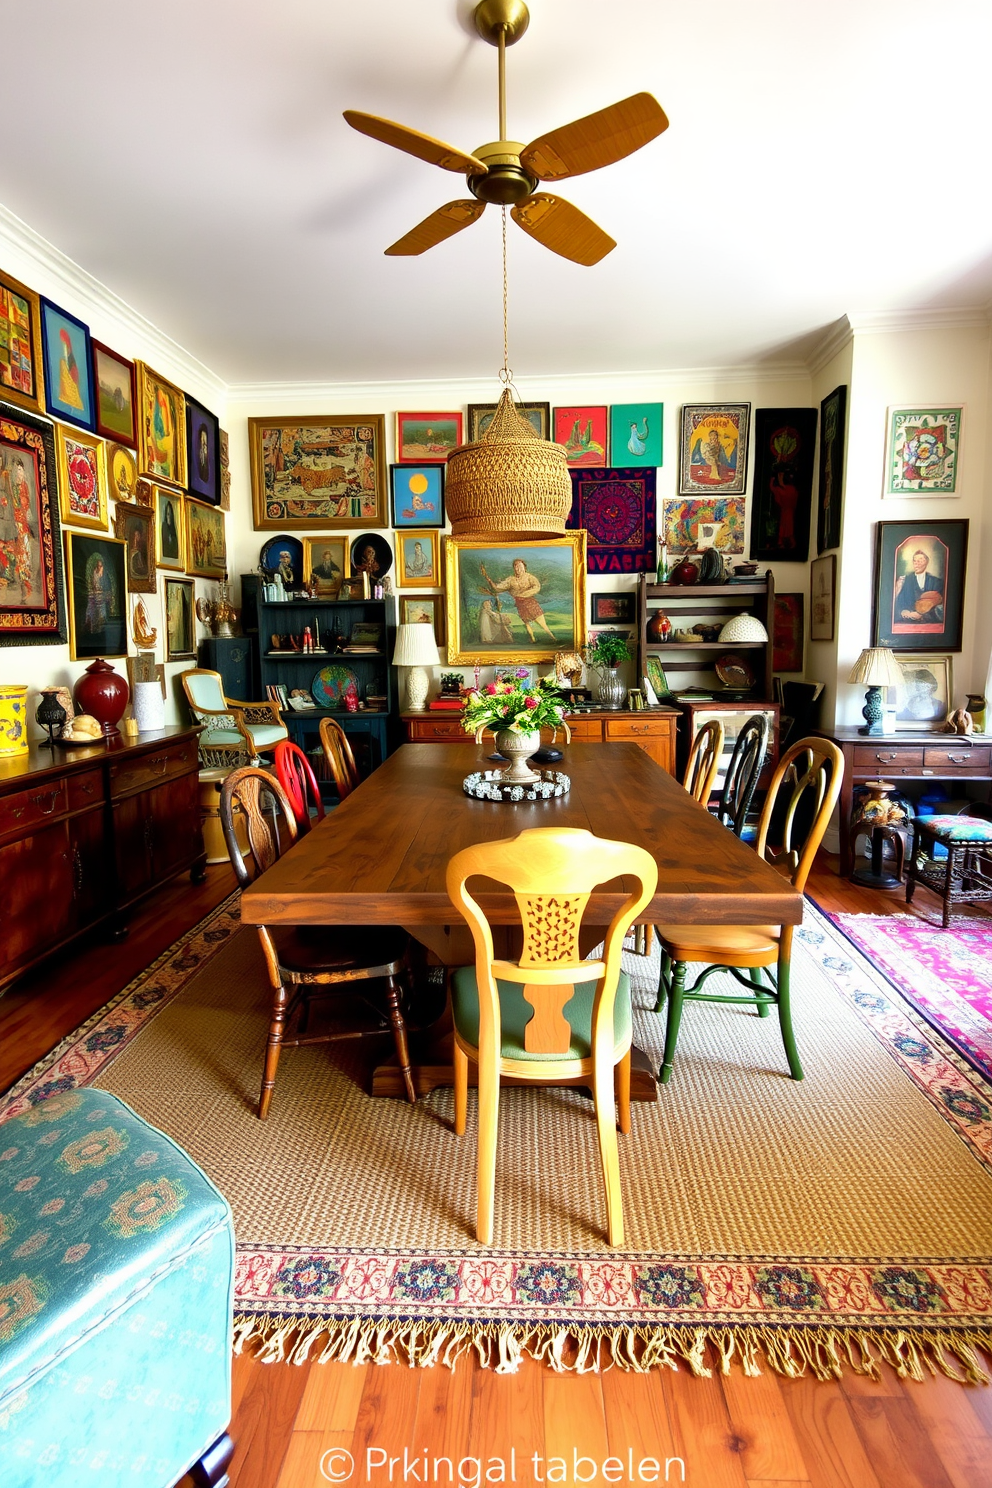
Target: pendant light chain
506, 375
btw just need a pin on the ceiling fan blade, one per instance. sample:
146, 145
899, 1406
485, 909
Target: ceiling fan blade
434, 151
563, 228
597, 140
443, 223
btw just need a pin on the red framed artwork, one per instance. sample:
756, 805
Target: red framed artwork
427, 438
582, 432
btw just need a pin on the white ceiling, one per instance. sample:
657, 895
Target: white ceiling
822, 159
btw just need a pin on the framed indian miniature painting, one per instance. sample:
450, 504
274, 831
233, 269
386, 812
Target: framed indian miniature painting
919, 585
833, 420
922, 451
115, 390
515, 601
417, 495
68, 366
320, 470
635, 433
202, 453
582, 432
480, 416
21, 377
82, 479
206, 541
426, 438
31, 605
714, 449
136, 526
97, 586
161, 428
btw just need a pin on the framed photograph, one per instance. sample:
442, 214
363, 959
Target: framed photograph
202, 453
822, 587
515, 601
427, 438
32, 611
325, 470
136, 525
635, 433
617, 509
161, 428
722, 518
424, 609
833, 422
21, 377
480, 416
356, 587
326, 560
924, 697
170, 529
613, 609
82, 479
180, 640
921, 457
416, 495
713, 449
919, 585
789, 633
583, 433
418, 560
206, 541
782, 495
68, 366
122, 473
97, 587
115, 392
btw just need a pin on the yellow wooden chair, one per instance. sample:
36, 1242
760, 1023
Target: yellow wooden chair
811, 765
549, 1017
704, 761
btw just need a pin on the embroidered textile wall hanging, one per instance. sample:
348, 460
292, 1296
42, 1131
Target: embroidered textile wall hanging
617, 509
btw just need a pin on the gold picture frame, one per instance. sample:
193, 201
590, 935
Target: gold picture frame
489, 623
161, 428
20, 324
122, 473
424, 609
170, 529
415, 568
323, 471
206, 540
328, 582
82, 478
136, 525
96, 595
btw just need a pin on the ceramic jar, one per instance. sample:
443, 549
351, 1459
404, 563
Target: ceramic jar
13, 720
658, 628
103, 693
685, 572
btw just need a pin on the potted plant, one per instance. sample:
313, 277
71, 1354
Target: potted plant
604, 654
516, 712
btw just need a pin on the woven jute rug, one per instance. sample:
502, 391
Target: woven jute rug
818, 1225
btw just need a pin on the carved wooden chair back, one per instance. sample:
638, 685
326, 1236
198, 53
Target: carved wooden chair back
269, 820
704, 761
742, 773
808, 780
295, 775
338, 754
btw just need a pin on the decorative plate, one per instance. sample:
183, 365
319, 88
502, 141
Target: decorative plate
734, 671
331, 683
488, 785
371, 554
283, 555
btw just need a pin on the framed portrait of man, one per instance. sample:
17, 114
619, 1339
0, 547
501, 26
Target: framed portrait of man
515, 601
919, 585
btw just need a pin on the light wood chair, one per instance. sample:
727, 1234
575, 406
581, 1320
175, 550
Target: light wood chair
311, 959
704, 761
338, 754
234, 732
811, 765
549, 1017
741, 779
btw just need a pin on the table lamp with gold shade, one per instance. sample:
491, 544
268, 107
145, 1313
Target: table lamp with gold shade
875, 668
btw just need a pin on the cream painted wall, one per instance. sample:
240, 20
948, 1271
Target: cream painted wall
821, 656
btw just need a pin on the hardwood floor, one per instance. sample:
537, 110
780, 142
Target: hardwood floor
730, 1432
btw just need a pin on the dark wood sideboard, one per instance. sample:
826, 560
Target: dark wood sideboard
87, 832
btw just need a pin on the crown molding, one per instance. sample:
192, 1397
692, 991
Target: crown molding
834, 340
25, 250
946, 318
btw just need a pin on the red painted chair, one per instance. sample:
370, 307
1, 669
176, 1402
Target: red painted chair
297, 779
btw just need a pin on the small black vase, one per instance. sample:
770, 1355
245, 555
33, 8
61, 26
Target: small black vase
50, 715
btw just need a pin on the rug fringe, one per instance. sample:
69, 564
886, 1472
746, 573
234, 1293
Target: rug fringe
502, 1347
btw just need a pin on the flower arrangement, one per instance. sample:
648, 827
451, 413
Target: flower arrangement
520, 706
607, 650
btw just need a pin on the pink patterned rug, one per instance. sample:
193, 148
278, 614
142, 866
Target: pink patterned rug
945, 974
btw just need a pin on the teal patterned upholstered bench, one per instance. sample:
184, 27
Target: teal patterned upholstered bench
116, 1275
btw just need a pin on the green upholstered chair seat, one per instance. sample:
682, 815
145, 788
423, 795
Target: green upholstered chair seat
957, 828
219, 736
264, 735
516, 1013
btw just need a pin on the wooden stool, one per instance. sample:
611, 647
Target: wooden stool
965, 876
876, 819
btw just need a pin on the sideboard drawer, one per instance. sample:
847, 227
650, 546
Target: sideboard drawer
633, 727
29, 807
962, 761
585, 728
434, 730
162, 764
85, 789
883, 756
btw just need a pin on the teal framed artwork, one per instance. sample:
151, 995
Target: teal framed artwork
417, 495
635, 433
68, 360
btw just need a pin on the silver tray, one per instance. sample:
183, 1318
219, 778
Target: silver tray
488, 785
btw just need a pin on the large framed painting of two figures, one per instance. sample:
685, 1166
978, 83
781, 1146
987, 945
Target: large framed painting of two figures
515, 601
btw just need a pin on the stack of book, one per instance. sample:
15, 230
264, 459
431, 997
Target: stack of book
446, 704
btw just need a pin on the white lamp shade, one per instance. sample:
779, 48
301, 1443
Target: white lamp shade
876, 667
416, 646
743, 627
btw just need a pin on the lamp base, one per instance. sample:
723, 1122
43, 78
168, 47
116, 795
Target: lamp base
872, 713
417, 686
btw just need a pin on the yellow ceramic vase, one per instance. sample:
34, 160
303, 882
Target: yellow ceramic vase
13, 720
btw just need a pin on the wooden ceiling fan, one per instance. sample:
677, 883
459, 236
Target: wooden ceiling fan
507, 172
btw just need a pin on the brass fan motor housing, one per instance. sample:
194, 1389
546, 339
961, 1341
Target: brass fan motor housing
511, 17
506, 182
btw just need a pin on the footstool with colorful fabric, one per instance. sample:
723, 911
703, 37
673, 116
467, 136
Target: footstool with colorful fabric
964, 876
116, 1275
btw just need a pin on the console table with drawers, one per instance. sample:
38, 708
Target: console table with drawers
653, 729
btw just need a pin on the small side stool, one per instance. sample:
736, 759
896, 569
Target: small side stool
116, 1282
876, 819
965, 875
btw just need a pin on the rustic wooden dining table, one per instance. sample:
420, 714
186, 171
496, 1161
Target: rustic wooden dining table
380, 858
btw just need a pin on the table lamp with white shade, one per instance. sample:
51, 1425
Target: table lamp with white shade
416, 649
875, 668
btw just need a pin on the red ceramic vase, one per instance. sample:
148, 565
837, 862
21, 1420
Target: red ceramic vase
103, 693
685, 572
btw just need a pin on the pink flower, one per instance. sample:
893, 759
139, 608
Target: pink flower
491, 689
530, 702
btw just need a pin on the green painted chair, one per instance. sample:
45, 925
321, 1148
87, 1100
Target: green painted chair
814, 766
234, 733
